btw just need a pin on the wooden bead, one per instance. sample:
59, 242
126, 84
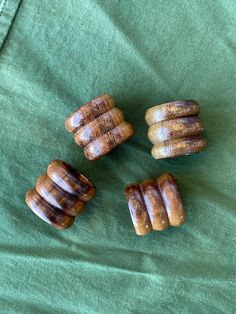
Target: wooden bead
71, 180
88, 112
171, 198
108, 141
178, 147
175, 129
172, 110
138, 209
60, 194
155, 204
57, 197
98, 127
47, 212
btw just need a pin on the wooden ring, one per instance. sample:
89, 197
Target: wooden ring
178, 147
47, 212
171, 198
138, 209
88, 112
60, 194
171, 110
71, 180
174, 128
99, 127
57, 197
104, 123
155, 204
108, 141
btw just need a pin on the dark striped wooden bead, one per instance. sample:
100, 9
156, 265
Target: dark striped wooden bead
71, 180
60, 194
47, 212
98, 127
175, 129
155, 204
138, 211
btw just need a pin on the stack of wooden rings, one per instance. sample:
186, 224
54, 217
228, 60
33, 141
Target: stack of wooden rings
60, 194
155, 204
98, 127
175, 129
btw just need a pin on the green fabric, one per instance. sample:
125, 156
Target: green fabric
59, 54
7, 13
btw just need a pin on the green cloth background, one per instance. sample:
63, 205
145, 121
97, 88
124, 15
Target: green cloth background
56, 55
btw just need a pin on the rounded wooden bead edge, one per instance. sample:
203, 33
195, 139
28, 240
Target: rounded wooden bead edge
143, 205
56, 205
175, 129
92, 126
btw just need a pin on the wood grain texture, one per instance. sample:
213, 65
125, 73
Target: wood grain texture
71, 180
108, 141
172, 200
175, 129
104, 123
99, 127
171, 110
47, 212
138, 210
57, 197
88, 112
178, 147
60, 194
155, 204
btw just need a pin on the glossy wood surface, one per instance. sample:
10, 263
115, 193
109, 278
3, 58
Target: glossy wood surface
155, 204
171, 110
178, 147
47, 212
57, 197
175, 129
104, 123
88, 112
138, 211
99, 127
60, 194
171, 198
71, 180
108, 141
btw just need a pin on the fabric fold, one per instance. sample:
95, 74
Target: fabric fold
8, 9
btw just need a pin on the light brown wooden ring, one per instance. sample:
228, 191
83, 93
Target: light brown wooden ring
178, 147
174, 128
98, 127
71, 180
172, 200
108, 141
138, 209
88, 112
57, 197
154, 204
171, 110
47, 212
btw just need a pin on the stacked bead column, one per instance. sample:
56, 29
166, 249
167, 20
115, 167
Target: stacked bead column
98, 127
175, 129
155, 204
60, 194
